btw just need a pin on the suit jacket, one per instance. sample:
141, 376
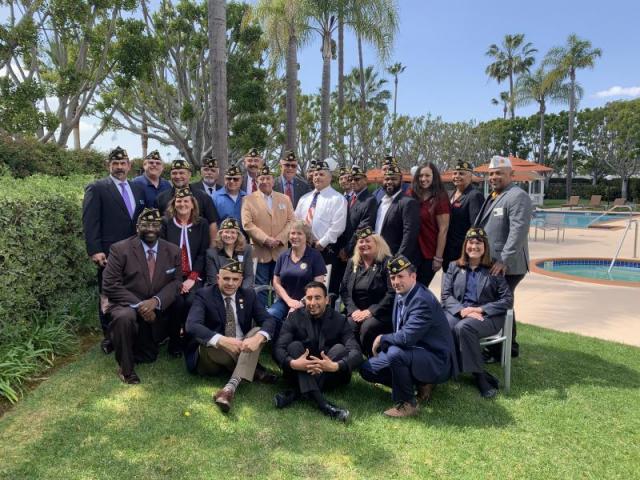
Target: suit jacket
361, 214
423, 331
207, 208
126, 281
105, 218
401, 227
200, 186
334, 330
300, 187
494, 295
207, 317
380, 291
259, 223
214, 262
506, 222
198, 235
463, 213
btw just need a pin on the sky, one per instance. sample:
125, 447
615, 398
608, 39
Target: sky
443, 45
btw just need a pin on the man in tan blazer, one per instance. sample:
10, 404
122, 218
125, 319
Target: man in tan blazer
266, 218
141, 281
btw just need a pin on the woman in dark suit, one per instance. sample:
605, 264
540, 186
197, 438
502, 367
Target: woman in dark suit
366, 290
475, 303
466, 201
184, 227
230, 244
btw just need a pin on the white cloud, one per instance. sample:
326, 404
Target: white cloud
619, 92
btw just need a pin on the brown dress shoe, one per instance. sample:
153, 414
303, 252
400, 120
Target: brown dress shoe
223, 399
129, 379
401, 410
425, 392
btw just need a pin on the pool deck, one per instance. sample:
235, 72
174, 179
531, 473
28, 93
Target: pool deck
602, 311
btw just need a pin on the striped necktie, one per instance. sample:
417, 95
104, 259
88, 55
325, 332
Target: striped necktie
312, 209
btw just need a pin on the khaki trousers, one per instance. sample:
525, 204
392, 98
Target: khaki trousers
214, 360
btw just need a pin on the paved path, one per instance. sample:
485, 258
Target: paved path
607, 312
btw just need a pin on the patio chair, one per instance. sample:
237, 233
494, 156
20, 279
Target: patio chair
594, 202
618, 202
574, 201
552, 221
504, 336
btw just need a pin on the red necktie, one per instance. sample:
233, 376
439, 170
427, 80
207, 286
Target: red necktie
289, 191
354, 197
254, 186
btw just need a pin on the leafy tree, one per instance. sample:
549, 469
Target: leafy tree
505, 100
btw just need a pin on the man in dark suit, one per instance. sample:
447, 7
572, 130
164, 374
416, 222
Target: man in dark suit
361, 212
210, 174
316, 350
289, 182
398, 217
109, 212
388, 161
419, 351
220, 320
141, 282
180, 176
252, 165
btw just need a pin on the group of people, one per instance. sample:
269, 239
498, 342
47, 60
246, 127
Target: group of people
180, 261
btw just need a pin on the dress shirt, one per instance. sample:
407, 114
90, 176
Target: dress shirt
329, 217
226, 205
127, 189
154, 249
402, 303
213, 341
268, 199
471, 291
385, 203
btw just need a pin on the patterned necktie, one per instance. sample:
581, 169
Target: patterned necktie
230, 319
289, 191
254, 185
400, 312
312, 209
125, 197
151, 263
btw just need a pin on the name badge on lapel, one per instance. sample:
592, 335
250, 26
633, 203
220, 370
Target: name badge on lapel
240, 258
281, 206
498, 212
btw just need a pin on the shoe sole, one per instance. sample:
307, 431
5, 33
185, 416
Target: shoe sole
225, 407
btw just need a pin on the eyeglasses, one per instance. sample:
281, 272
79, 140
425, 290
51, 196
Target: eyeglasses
232, 179
289, 165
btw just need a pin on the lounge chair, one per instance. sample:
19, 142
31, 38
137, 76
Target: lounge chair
594, 202
574, 201
618, 202
552, 221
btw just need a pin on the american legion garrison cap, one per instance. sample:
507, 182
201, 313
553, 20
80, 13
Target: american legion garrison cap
233, 266
151, 215
476, 232
397, 264
464, 165
184, 192
180, 164
153, 155
118, 154
230, 223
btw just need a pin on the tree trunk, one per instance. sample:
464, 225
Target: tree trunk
325, 93
218, 73
395, 111
341, 152
76, 136
292, 91
144, 138
363, 105
543, 109
625, 187
512, 107
572, 109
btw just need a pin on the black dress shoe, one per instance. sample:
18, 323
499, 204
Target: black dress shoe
492, 380
487, 384
286, 398
175, 348
263, 375
106, 346
130, 379
334, 412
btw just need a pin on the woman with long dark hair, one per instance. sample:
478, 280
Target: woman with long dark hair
428, 190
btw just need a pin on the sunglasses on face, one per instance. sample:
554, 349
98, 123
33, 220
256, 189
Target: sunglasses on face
232, 179
289, 165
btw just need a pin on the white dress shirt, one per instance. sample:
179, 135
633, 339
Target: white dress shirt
213, 341
385, 203
330, 216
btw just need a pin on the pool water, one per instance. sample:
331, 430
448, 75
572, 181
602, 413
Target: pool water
579, 219
622, 271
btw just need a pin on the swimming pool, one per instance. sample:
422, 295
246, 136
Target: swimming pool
625, 272
579, 219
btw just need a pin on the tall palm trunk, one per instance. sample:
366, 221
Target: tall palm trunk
218, 74
395, 110
572, 111
324, 94
341, 90
512, 108
543, 109
292, 90
363, 105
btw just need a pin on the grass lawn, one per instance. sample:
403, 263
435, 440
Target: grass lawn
574, 412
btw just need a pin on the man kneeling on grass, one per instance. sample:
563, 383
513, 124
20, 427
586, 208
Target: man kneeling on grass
419, 352
316, 350
220, 319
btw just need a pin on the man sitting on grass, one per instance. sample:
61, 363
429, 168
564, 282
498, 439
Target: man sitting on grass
420, 349
220, 319
316, 350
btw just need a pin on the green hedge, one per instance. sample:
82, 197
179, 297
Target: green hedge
45, 274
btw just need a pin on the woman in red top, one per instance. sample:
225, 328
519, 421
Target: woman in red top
427, 188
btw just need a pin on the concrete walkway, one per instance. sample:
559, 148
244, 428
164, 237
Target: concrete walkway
602, 311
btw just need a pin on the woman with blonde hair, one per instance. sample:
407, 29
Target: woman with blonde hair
228, 245
366, 290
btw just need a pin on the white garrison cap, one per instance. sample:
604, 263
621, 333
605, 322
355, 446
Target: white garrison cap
414, 169
331, 162
499, 162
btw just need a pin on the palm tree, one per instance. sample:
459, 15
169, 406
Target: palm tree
376, 96
566, 60
504, 98
217, 16
513, 57
539, 87
285, 26
396, 69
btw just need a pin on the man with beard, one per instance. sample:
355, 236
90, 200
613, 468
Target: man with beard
505, 217
388, 161
252, 164
141, 282
151, 180
398, 217
210, 173
109, 212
